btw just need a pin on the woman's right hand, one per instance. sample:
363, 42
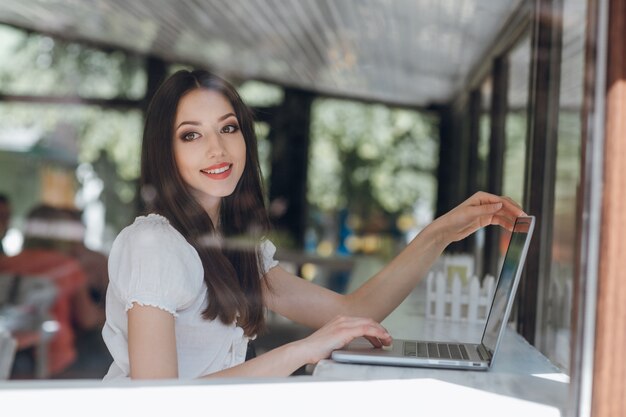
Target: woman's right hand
339, 332
479, 210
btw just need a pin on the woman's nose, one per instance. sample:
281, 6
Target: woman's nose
215, 145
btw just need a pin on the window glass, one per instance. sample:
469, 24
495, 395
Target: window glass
555, 329
484, 135
516, 121
484, 131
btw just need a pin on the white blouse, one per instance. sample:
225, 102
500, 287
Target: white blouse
152, 264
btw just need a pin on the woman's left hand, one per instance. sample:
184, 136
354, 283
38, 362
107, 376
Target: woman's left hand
480, 210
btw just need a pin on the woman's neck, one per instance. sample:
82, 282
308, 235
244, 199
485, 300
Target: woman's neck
211, 206
214, 214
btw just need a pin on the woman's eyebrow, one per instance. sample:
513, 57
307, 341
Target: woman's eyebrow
226, 116
195, 123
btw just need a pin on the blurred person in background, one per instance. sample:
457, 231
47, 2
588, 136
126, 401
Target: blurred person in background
93, 357
94, 263
74, 307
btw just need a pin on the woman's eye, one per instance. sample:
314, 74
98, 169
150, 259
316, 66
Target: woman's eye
190, 136
230, 129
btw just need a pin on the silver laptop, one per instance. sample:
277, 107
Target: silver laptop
453, 354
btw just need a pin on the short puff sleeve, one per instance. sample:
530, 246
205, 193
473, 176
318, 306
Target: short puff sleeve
267, 251
152, 264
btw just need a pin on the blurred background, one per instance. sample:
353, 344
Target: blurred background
374, 117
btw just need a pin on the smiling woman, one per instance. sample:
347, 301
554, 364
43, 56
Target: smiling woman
195, 123
195, 274
209, 148
190, 281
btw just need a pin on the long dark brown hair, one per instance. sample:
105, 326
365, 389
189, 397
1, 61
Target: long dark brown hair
231, 270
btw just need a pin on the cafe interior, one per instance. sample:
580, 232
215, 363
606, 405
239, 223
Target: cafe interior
373, 118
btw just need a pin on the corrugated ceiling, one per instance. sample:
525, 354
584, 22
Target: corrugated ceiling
412, 52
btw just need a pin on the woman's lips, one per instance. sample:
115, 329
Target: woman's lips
218, 171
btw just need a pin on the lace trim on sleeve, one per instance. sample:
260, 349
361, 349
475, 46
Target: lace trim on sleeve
144, 303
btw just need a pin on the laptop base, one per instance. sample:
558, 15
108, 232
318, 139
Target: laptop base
361, 352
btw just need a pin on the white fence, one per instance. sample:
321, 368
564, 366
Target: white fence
458, 299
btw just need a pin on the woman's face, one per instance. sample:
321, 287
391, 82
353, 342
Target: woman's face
209, 148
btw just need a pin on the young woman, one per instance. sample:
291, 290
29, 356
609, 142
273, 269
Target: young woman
190, 281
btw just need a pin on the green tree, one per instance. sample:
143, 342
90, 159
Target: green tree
370, 158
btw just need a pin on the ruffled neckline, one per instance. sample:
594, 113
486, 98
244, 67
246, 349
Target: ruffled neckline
152, 218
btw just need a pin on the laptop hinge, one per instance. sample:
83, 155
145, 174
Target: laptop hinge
484, 353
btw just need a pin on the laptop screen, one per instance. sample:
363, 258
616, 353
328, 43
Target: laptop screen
507, 282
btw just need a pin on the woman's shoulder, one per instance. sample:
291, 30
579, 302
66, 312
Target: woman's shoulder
152, 232
149, 221
151, 225
152, 263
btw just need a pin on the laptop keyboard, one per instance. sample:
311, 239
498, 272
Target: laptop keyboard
435, 350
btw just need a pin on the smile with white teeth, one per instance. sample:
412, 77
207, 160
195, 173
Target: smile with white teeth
217, 170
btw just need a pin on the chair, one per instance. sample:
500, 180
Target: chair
8, 347
25, 304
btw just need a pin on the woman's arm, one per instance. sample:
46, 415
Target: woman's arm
152, 346
313, 306
151, 343
284, 360
151, 335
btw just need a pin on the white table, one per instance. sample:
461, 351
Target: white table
521, 383
520, 373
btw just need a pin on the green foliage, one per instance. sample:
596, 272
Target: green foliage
35, 64
256, 93
370, 158
515, 155
114, 133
